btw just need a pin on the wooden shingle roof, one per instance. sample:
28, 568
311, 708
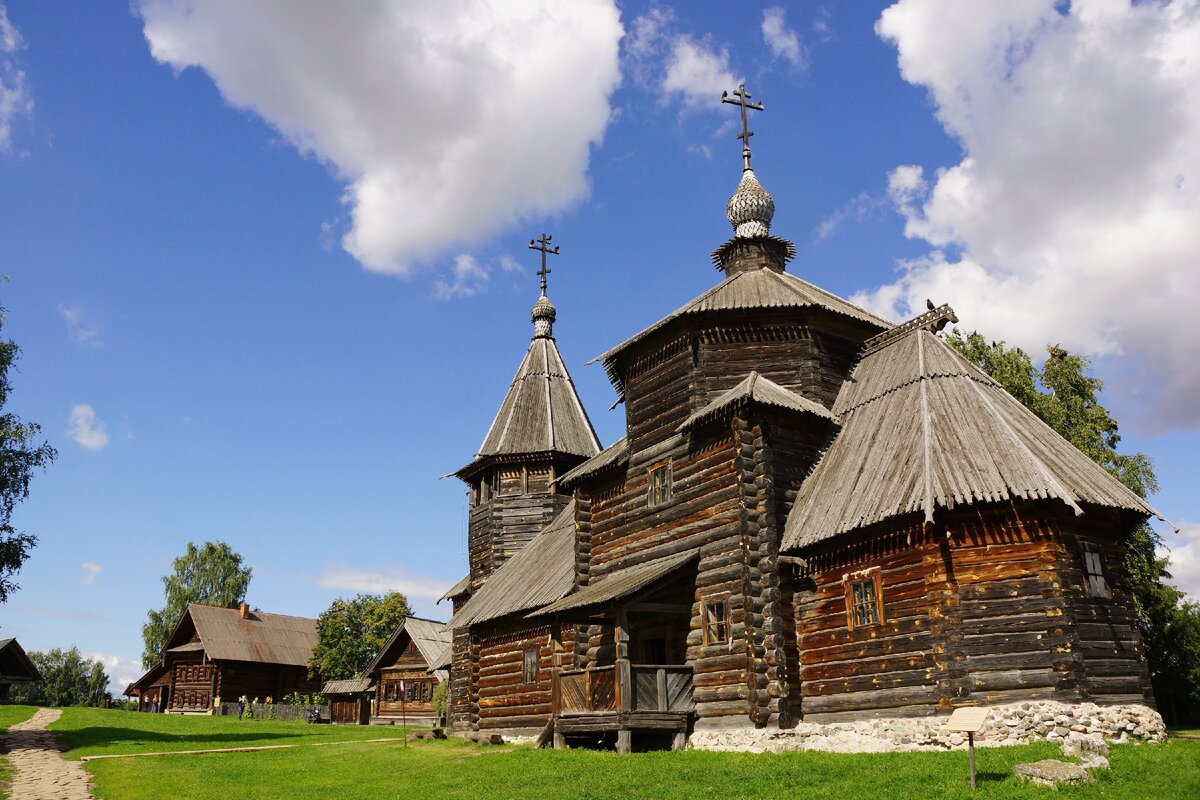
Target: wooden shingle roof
614, 455
541, 413
922, 429
261, 637
430, 637
15, 665
540, 573
754, 388
752, 289
620, 584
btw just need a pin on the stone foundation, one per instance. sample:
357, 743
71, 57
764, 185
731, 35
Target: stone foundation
1015, 723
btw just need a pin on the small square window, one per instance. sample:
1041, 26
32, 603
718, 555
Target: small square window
716, 622
1093, 570
864, 600
529, 669
660, 484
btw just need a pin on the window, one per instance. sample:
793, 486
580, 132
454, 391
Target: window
529, 669
716, 621
660, 484
1093, 571
864, 599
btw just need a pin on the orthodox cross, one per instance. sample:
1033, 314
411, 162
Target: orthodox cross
543, 244
739, 97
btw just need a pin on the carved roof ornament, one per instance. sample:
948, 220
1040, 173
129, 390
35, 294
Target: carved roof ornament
543, 313
751, 208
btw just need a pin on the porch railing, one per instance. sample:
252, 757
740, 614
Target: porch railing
587, 691
647, 687
661, 687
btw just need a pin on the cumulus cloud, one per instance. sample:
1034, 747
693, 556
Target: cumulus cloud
15, 98
1074, 214
85, 429
448, 121
858, 208
78, 328
782, 41
468, 278
693, 70
121, 671
347, 579
1183, 552
91, 573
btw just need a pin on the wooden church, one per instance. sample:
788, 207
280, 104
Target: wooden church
815, 515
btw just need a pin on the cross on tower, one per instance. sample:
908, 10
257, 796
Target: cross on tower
543, 244
739, 97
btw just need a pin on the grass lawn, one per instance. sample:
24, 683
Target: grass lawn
448, 770
10, 715
94, 731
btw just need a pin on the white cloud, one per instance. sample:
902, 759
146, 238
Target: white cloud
698, 71
510, 264
80, 331
1183, 551
85, 429
347, 579
121, 671
782, 41
91, 573
690, 69
1074, 215
15, 98
858, 208
469, 279
449, 121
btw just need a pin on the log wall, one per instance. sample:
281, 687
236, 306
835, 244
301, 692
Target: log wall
503, 699
988, 607
504, 523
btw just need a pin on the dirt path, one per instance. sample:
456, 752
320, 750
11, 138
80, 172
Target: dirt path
40, 771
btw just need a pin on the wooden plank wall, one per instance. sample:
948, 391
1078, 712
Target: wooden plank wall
502, 525
504, 700
991, 607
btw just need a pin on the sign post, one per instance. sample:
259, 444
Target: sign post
969, 721
404, 719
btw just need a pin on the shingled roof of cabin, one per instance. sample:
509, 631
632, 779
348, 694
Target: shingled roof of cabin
922, 429
431, 637
540, 573
260, 637
615, 454
542, 412
752, 289
754, 388
15, 665
620, 584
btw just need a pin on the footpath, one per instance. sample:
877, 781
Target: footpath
40, 771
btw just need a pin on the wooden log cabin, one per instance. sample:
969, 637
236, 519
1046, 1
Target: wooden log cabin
15, 667
219, 654
405, 672
814, 515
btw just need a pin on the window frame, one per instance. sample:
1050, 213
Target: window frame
1095, 581
665, 468
529, 671
874, 577
710, 635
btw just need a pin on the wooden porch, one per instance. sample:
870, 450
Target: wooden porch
623, 698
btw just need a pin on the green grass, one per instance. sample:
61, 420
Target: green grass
10, 715
95, 731
449, 770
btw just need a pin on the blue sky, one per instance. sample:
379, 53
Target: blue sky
268, 266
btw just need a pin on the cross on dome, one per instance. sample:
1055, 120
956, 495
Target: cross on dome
739, 97
543, 310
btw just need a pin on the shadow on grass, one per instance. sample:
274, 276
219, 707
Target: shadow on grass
101, 735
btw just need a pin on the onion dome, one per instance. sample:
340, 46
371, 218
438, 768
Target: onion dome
543, 315
751, 208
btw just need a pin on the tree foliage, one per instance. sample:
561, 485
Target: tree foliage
1065, 396
68, 679
211, 574
351, 632
20, 455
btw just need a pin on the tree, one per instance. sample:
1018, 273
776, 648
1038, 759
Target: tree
1066, 397
211, 574
68, 679
351, 632
20, 456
